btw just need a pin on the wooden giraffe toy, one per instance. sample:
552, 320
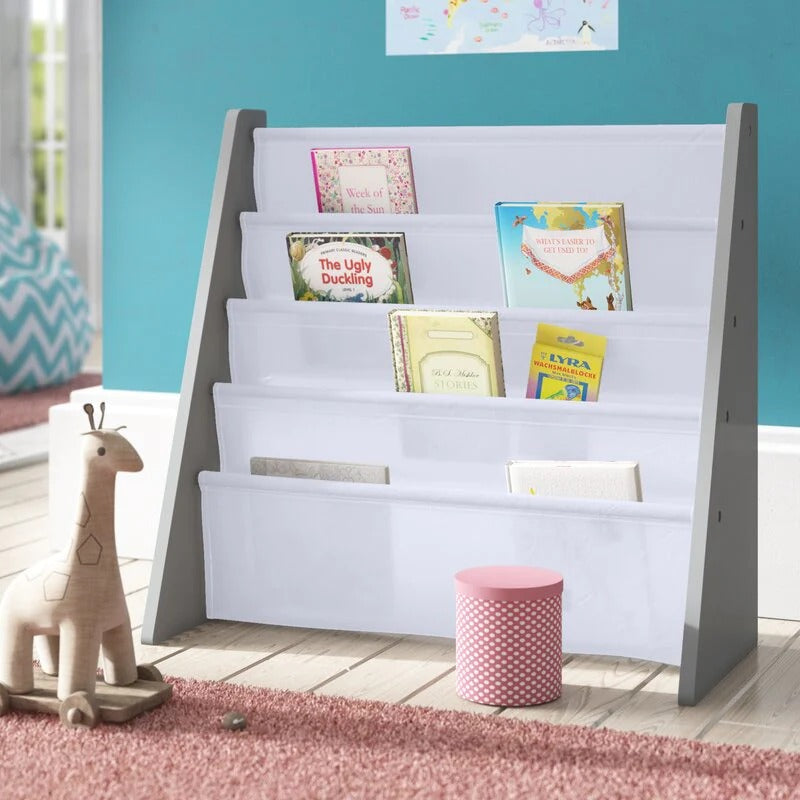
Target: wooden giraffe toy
73, 604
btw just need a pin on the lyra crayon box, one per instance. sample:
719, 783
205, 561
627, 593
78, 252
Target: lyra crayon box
565, 364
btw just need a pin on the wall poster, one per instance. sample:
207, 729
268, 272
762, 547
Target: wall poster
450, 27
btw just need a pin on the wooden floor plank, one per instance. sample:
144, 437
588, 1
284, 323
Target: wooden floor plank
397, 672
754, 735
155, 653
228, 650
151, 653
15, 477
441, 694
315, 660
593, 687
5, 583
136, 603
24, 532
135, 575
773, 699
654, 709
22, 491
25, 555
22, 511
209, 633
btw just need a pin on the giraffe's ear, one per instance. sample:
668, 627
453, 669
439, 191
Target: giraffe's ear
89, 409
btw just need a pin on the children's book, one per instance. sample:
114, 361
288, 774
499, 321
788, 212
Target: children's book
447, 352
319, 470
564, 255
565, 364
355, 267
607, 480
364, 180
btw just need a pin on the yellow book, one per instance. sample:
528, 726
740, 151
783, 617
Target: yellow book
565, 364
447, 352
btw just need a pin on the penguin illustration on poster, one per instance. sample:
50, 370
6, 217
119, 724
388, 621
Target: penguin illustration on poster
585, 32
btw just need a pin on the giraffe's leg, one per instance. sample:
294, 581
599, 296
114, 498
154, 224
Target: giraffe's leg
77, 660
119, 660
16, 655
47, 650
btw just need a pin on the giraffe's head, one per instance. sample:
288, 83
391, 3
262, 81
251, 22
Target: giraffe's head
108, 449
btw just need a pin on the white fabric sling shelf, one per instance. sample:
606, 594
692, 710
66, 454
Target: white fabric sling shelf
383, 557
328, 346
455, 260
451, 441
671, 579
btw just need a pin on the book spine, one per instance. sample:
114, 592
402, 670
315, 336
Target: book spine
315, 168
400, 354
498, 358
504, 265
623, 236
412, 183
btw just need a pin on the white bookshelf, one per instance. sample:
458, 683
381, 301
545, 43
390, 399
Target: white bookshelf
671, 579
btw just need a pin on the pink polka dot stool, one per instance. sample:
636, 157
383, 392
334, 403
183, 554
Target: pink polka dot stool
508, 635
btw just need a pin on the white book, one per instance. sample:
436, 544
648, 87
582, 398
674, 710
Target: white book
605, 480
319, 470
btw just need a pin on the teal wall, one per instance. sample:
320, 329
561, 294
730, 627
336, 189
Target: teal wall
172, 68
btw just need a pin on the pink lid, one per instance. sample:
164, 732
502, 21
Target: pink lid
509, 583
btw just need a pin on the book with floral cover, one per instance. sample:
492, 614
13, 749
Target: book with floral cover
564, 255
364, 180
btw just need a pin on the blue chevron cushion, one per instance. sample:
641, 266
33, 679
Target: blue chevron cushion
44, 315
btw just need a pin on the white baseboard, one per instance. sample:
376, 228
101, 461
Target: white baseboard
150, 417
779, 522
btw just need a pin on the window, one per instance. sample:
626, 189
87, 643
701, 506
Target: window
51, 125
47, 118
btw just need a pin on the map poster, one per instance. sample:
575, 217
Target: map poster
451, 27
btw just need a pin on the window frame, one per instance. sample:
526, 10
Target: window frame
14, 88
83, 168
84, 46
50, 146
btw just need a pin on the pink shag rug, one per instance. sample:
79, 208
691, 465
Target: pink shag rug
308, 746
31, 408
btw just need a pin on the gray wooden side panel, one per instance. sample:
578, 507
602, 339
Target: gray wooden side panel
176, 598
721, 607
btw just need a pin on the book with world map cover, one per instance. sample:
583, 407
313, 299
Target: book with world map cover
564, 255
